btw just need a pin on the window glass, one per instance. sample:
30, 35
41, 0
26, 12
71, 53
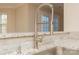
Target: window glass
45, 25
3, 23
55, 23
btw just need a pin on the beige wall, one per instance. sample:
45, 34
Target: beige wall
71, 17
10, 19
25, 18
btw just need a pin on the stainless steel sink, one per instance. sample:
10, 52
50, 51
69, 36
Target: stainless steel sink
70, 52
51, 51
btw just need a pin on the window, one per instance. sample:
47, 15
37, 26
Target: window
3, 23
43, 24
55, 23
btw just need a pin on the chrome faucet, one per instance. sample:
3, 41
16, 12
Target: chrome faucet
38, 39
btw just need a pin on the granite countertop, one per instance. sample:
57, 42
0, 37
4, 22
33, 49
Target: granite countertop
22, 34
67, 40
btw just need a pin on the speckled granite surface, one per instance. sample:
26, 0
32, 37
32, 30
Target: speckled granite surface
24, 45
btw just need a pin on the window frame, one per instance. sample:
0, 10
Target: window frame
43, 23
3, 23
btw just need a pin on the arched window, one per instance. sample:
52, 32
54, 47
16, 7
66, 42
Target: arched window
3, 22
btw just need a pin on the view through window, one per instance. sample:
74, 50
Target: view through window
3, 23
43, 24
55, 23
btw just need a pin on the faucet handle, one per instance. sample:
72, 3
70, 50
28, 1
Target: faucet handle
40, 38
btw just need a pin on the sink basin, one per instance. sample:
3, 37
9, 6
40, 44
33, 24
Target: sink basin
70, 52
51, 51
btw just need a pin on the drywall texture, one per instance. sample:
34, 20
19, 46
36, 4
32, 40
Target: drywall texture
71, 17
10, 18
25, 18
